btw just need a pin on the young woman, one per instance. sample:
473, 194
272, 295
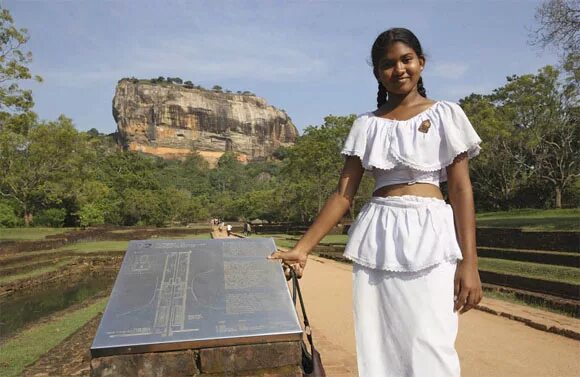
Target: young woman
414, 256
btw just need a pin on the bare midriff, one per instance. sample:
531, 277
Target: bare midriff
417, 189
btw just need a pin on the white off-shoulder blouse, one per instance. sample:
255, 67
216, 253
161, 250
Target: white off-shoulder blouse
413, 150
408, 233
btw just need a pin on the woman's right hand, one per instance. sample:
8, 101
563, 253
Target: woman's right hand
294, 258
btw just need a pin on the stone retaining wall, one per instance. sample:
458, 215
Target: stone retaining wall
281, 359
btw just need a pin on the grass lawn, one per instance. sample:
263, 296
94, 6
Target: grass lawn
95, 246
288, 241
98, 246
29, 234
25, 348
563, 274
532, 219
36, 272
511, 297
335, 239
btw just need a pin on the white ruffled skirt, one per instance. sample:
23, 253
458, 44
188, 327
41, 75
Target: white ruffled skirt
405, 253
403, 233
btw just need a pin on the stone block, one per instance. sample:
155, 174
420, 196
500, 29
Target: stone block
287, 371
250, 357
155, 364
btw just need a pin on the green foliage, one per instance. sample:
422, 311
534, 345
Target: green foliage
14, 101
312, 167
529, 129
8, 216
42, 166
51, 217
91, 214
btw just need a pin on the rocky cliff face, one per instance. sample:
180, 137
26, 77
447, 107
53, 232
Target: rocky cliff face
172, 121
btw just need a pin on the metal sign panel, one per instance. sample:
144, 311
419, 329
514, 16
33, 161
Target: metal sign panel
179, 294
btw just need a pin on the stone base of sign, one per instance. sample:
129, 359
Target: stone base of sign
280, 359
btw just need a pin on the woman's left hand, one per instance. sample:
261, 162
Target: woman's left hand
467, 289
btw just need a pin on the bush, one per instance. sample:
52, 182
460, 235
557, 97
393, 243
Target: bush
91, 214
52, 217
8, 218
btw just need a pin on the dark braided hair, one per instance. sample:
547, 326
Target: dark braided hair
381, 95
380, 47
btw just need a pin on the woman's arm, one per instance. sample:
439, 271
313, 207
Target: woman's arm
333, 210
468, 291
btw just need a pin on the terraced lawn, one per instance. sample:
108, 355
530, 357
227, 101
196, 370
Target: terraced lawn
532, 219
30, 344
29, 234
563, 274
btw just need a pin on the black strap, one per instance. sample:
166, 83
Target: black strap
296, 289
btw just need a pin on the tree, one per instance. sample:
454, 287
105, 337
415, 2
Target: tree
497, 176
229, 174
14, 101
558, 25
542, 112
41, 166
312, 166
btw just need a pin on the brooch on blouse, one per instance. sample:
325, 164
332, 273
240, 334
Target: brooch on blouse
424, 127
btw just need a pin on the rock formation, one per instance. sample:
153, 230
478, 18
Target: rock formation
174, 121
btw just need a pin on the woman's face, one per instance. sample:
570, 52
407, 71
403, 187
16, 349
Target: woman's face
399, 69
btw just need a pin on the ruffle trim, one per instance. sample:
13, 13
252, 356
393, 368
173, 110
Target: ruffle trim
472, 151
403, 233
403, 267
385, 144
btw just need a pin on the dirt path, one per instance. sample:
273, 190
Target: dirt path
488, 345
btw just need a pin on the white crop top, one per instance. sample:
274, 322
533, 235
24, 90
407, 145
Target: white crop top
403, 174
414, 150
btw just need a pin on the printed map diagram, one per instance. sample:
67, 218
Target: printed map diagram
195, 290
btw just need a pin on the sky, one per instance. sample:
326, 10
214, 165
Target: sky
310, 58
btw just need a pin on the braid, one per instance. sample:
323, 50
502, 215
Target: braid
421, 88
381, 96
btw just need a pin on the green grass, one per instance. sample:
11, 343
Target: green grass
563, 274
95, 246
37, 272
288, 241
29, 234
282, 240
25, 348
337, 239
532, 219
203, 236
99, 246
538, 304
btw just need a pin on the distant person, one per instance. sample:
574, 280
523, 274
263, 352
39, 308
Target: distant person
229, 229
249, 229
245, 231
414, 257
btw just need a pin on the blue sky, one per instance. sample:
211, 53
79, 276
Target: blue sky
310, 58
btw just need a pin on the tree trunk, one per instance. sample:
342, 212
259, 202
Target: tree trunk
558, 197
27, 218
